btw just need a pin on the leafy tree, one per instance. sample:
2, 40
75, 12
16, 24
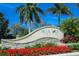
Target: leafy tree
3, 26
29, 13
58, 9
18, 30
70, 28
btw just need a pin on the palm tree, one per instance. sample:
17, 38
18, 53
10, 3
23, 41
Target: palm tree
59, 9
29, 13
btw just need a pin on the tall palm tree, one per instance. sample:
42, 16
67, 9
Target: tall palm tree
29, 13
58, 9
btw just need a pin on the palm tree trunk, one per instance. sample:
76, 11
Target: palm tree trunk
29, 28
59, 20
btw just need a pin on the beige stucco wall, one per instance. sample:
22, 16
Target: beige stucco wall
39, 35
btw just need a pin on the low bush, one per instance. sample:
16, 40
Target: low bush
41, 45
70, 27
74, 46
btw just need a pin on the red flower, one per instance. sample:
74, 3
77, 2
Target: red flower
36, 51
28, 51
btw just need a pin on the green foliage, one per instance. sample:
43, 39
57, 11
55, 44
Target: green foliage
29, 13
3, 26
51, 44
37, 45
70, 27
58, 9
0, 48
41, 45
77, 5
74, 46
19, 30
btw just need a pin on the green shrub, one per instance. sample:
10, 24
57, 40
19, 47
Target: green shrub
0, 48
37, 45
70, 27
41, 45
74, 46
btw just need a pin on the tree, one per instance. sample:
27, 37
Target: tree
59, 9
77, 5
29, 13
18, 30
70, 27
3, 26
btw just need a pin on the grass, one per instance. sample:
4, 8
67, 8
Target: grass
74, 46
37, 45
41, 45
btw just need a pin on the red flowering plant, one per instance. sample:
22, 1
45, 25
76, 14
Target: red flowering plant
35, 51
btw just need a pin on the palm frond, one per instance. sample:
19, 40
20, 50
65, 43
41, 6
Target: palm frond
40, 10
77, 5
37, 18
66, 11
19, 9
22, 16
31, 16
51, 9
36, 4
59, 5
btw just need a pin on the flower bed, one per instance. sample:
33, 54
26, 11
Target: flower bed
45, 50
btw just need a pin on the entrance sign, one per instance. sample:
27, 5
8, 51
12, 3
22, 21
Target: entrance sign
43, 35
